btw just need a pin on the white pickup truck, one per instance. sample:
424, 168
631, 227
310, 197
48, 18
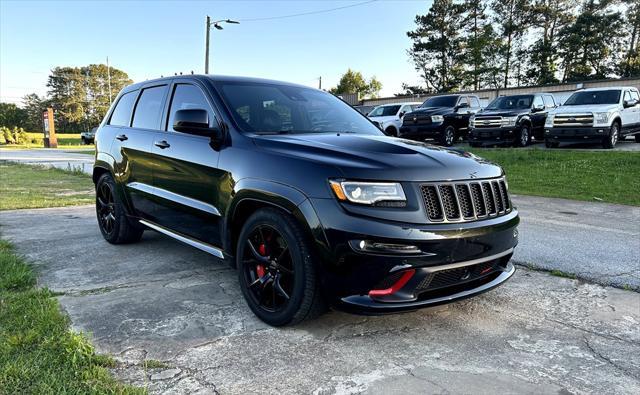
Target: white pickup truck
597, 115
389, 116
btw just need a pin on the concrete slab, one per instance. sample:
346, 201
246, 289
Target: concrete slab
158, 299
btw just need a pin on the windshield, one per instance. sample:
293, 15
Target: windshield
384, 111
593, 97
520, 102
440, 101
266, 108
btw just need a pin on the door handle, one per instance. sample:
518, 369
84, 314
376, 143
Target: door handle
162, 144
122, 137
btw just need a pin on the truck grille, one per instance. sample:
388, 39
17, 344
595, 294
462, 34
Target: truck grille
573, 120
465, 201
488, 122
416, 119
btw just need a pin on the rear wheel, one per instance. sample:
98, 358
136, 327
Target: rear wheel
115, 226
524, 138
551, 144
448, 136
391, 131
611, 140
276, 271
475, 145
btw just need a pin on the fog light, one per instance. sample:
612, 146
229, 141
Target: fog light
383, 248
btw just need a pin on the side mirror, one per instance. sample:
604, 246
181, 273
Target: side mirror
538, 107
401, 114
194, 121
461, 106
629, 103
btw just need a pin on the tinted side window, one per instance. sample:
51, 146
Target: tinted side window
121, 115
149, 108
188, 97
474, 102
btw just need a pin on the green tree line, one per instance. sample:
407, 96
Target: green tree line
479, 44
79, 96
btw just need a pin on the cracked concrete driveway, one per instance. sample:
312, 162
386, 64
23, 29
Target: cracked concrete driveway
161, 300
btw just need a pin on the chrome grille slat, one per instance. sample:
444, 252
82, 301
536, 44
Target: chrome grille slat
488, 122
464, 201
576, 120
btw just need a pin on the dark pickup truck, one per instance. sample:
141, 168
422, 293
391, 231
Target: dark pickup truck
443, 118
511, 120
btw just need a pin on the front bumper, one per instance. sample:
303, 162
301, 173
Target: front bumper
421, 132
456, 260
493, 136
576, 135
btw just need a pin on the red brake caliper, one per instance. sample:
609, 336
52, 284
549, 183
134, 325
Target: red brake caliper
262, 250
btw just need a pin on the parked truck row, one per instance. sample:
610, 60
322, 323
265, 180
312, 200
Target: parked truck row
599, 115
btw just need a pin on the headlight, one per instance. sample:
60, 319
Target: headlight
437, 118
509, 121
601, 118
368, 192
548, 123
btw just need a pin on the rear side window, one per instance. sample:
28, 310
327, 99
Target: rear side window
121, 115
149, 108
188, 97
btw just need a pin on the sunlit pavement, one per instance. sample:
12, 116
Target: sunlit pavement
51, 158
538, 333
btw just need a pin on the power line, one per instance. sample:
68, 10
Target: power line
306, 13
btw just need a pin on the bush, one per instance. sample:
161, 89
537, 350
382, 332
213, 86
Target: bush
15, 136
7, 136
20, 136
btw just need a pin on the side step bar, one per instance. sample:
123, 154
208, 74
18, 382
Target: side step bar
185, 239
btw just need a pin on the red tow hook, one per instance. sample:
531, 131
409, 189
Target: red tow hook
406, 276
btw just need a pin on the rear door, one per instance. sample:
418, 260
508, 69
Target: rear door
186, 179
132, 147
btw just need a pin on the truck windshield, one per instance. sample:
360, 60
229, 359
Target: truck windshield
384, 111
440, 101
270, 108
520, 102
593, 97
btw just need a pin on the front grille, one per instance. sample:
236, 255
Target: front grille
448, 277
487, 122
466, 200
573, 120
416, 119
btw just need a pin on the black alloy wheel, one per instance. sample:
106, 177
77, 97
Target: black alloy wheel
276, 269
115, 226
449, 136
525, 136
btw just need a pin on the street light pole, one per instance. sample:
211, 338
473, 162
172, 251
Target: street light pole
217, 25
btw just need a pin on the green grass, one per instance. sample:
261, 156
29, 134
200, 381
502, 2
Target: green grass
27, 186
38, 352
65, 141
580, 175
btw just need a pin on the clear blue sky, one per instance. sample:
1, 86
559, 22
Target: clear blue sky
152, 38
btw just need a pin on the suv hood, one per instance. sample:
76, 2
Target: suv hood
380, 157
432, 110
585, 108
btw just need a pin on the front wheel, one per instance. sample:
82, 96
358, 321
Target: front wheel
115, 226
276, 270
525, 136
448, 136
611, 140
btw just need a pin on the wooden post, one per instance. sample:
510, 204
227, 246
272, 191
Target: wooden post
50, 139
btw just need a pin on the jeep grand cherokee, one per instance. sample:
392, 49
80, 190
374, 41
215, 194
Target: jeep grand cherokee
310, 201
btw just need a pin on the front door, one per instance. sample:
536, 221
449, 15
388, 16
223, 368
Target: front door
187, 181
538, 117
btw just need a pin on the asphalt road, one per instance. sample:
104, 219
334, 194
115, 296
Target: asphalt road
538, 333
50, 157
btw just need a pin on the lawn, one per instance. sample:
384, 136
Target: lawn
27, 186
38, 352
572, 174
65, 140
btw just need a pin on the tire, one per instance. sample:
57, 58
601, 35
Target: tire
448, 136
610, 141
391, 131
83, 141
115, 226
282, 290
551, 144
637, 137
524, 137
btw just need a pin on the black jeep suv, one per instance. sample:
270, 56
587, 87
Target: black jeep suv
310, 201
511, 120
443, 118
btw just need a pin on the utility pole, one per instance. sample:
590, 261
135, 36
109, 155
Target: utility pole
109, 79
206, 53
